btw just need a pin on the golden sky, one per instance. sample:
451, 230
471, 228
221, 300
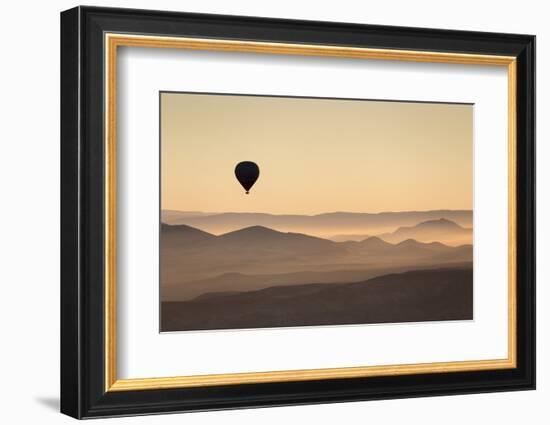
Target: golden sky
315, 155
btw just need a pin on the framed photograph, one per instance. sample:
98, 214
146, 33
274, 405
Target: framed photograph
261, 212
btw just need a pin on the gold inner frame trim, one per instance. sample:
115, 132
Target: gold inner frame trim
113, 41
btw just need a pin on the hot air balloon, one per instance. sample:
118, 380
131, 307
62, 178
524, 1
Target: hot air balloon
247, 172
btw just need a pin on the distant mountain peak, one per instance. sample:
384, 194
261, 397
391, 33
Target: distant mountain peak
437, 225
253, 230
374, 241
413, 243
441, 222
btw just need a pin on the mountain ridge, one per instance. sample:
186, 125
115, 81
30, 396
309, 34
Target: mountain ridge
263, 231
258, 250
421, 295
320, 225
437, 230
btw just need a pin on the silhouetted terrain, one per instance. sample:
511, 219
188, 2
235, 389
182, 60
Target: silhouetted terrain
422, 295
231, 282
194, 262
259, 277
441, 230
323, 225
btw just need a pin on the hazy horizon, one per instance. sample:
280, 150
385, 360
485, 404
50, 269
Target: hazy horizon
317, 213
453, 227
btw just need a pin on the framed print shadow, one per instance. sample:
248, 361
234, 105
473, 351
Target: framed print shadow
260, 212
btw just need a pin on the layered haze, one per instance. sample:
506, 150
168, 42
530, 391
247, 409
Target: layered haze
194, 261
449, 226
259, 277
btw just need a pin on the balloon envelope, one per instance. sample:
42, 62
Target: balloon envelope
247, 172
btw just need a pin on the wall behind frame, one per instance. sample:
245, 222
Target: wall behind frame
29, 219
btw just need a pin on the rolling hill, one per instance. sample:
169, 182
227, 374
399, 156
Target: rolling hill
413, 296
257, 238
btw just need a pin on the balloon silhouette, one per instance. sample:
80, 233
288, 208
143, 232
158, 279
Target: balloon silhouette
247, 172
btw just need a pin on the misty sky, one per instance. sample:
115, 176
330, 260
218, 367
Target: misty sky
314, 155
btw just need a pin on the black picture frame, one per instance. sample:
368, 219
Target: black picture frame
83, 392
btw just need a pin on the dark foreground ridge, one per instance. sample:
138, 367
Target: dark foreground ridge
414, 296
